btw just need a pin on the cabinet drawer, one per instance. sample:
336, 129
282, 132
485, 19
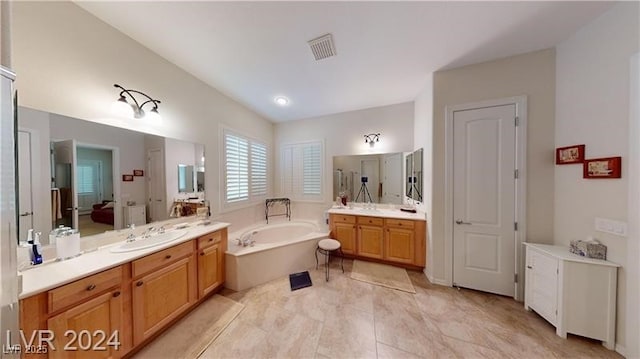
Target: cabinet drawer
401, 223
341, 218
374, 221
162, 258
209, 239
79, 290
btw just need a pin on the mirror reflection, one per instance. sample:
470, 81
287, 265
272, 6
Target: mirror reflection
95, 177
368, 178
185, 178
413, 175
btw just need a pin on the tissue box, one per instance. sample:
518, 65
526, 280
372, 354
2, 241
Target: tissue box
588, 249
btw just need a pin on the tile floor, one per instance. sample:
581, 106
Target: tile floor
345, 318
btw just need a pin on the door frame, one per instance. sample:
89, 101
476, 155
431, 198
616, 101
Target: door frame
115, 171
521, 184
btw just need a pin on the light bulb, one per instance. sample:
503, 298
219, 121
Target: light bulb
122, 108
153, 115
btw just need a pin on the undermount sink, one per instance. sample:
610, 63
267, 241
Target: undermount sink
152, 241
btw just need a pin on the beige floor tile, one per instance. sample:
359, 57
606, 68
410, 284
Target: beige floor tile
348, 333
389, 352
239, 340
469, 350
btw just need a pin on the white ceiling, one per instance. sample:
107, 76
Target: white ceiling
254, 51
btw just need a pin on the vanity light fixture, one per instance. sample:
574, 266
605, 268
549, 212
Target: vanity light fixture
281, 100
124, 108
372, 138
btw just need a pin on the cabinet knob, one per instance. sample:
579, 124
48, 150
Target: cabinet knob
116, 294
211, 239
201, 253
91, 287
168, 256
399, 224
139, 284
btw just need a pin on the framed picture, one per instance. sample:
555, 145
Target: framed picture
138, 173
570, 155
127, 178
610, 167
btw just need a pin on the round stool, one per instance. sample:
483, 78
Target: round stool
327, 247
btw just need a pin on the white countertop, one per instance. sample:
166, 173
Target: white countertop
54, 274
563, 253
379, 212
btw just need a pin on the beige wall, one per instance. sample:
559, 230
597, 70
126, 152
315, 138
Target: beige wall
67, 61
592, 96
5, 33
531, 74
423, 138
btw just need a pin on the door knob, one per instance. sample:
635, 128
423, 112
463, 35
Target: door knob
26, 214
459, 221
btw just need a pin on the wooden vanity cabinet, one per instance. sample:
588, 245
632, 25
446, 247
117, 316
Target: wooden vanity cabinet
211, 248
395, 241
163, 287
343, 228
370, 237
400, 241
87, 317
137, 299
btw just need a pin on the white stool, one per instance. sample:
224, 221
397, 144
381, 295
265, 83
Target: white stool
327, 247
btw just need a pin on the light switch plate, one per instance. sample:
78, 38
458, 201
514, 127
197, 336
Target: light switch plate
611, 226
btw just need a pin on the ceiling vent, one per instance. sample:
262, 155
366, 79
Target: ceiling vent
323, 47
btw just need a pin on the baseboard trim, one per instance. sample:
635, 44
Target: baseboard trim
434, 280
621, 350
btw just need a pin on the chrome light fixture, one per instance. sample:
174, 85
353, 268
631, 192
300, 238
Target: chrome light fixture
124, 108
372, 138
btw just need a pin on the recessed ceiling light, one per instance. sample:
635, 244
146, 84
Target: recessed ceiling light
281, 100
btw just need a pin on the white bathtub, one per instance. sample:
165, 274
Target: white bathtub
279, 249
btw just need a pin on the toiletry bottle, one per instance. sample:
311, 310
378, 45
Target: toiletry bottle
30, 236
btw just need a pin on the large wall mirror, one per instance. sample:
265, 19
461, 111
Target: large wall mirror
368, 178
413, 175
96, 178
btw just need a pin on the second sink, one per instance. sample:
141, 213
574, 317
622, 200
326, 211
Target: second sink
152, 241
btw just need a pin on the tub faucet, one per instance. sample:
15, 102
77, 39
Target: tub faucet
247, 239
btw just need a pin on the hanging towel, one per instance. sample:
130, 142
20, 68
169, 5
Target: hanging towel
56, 210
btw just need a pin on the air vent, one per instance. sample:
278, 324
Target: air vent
323, 47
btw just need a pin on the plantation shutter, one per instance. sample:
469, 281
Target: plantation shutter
258, 169
236, 168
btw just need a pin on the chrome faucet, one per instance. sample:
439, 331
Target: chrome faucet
131, 237
247, 239
147, 232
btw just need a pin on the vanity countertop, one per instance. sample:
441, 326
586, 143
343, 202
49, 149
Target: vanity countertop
379, 212
55, 274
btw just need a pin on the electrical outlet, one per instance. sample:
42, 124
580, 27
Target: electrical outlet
617, 228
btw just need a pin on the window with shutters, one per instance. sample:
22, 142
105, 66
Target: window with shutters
245, 169
302, 171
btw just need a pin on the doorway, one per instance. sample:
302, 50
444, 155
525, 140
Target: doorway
25, 174
95, 189
485, 188
156, 179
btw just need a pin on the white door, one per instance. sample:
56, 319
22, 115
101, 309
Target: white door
25, 199
66, 159
392, 184
484, 155
155, 177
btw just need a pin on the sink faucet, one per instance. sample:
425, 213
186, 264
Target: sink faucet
147, 232
247, 239
131, 237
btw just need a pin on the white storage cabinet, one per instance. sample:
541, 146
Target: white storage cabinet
135, 215
575, 294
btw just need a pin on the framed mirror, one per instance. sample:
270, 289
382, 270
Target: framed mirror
368, 178
88, 175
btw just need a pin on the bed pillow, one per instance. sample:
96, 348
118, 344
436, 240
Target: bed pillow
108, 205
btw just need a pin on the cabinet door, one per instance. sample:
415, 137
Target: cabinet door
370, 241
542, 284
92, 329
400, 245
345, 233
210, 272
161, 296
